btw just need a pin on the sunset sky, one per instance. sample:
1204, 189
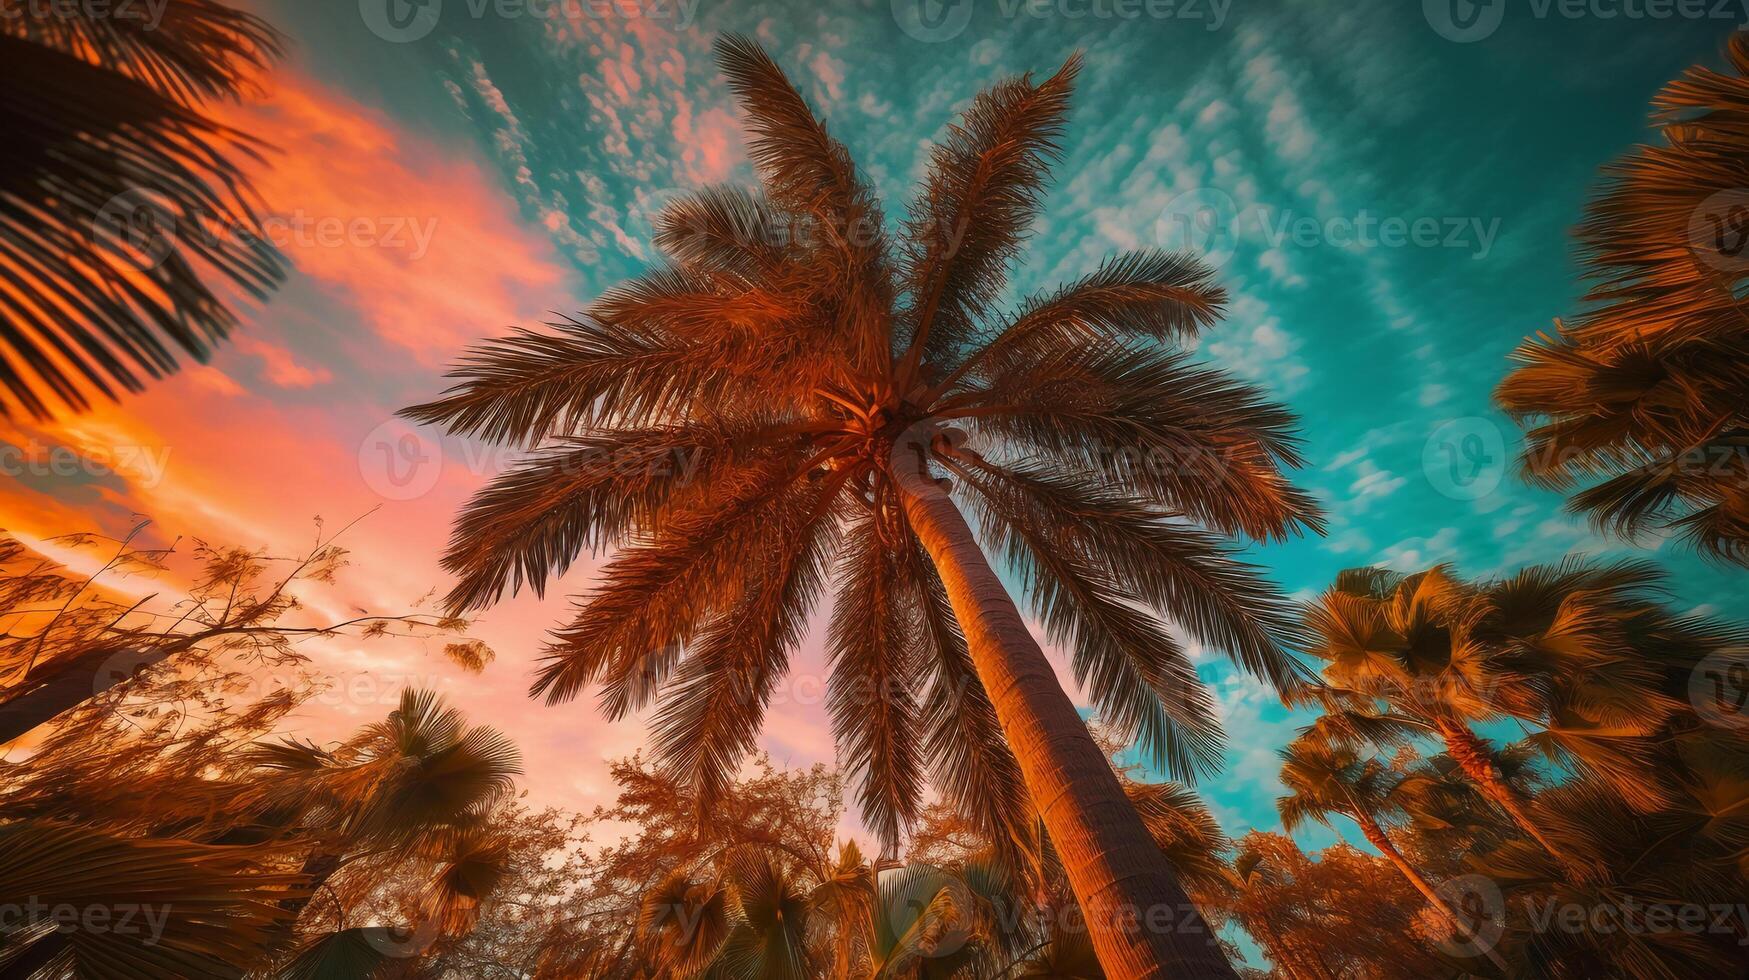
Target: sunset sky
1397, 201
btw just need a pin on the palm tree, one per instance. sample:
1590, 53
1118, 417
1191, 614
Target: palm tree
1646, 390
420, 783
811, 374
1582, 655
121, 197
1326, 779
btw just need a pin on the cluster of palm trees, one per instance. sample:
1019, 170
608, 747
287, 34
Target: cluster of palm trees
257, 865
1575, 766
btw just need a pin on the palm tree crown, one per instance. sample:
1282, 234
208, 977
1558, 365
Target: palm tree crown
806, 370
796, 359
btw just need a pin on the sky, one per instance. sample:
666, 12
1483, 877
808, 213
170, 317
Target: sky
1387, 188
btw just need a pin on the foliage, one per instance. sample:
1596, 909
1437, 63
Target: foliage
807, 366
1644, 391
127, 202
1619, 803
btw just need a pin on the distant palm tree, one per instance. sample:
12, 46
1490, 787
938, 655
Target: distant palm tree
418, 783
1324, 779
807, 373
119, 198
1647, 389
1582, 654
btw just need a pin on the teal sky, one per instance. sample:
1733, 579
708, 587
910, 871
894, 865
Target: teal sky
1265, 133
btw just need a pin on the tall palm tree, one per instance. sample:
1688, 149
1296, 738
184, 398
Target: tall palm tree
1325, 779
1646, 389
119, 198
812, 373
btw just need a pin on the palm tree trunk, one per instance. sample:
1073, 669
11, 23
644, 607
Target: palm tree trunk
1472, 756
1139, 918
1375, 835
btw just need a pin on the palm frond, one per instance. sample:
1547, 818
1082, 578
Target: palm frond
1158, 296
871, 694
711, 712
805, 171
187, 50
216, 907
969, 756
530, 386
587, 492
1136, 673
982, 193
1183, 572
725, 231
1179, 437
653, 597
115, 199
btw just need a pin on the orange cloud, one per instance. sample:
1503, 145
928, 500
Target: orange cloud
395, 224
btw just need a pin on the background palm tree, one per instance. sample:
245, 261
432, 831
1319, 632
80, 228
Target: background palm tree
811, 369
1583, 655
419, 783
1325, 779
121, 198
1646, 389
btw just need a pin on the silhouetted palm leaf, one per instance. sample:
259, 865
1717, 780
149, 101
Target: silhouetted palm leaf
215, 906
118, 199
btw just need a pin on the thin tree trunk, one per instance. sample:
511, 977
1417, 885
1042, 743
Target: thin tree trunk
1376, 836
1472, 756
1139, 918
318, 867
64, 685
